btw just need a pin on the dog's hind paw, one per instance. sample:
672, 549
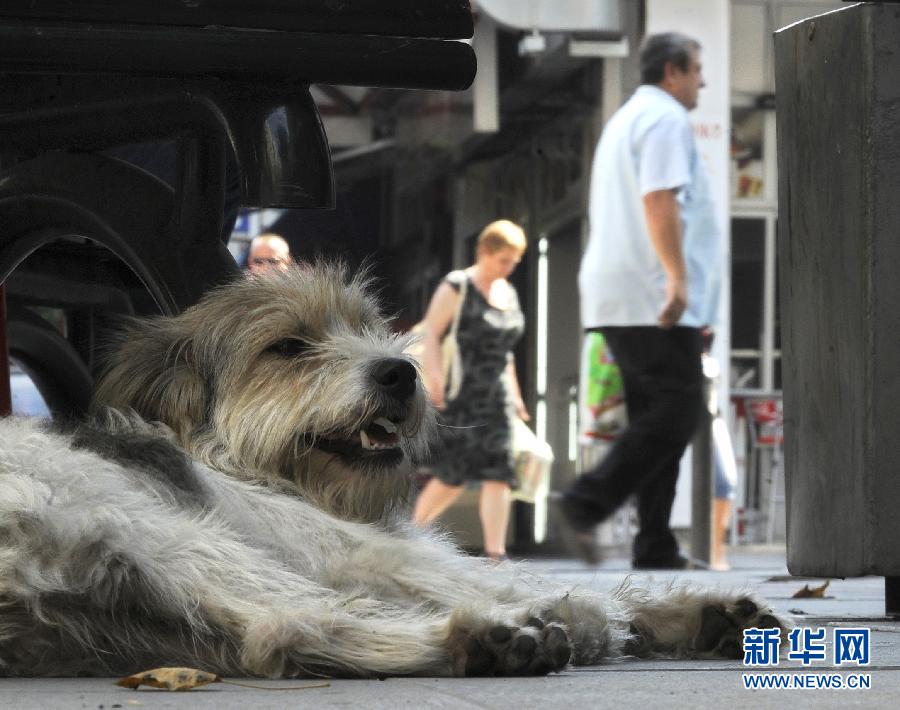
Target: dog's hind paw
722, 627
489, 649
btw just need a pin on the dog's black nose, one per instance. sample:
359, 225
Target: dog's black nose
395, 376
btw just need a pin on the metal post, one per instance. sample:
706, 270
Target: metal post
702, 486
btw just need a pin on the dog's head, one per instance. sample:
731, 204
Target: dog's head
283, 376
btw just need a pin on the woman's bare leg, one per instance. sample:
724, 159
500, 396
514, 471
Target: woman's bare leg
494, 511
433, 500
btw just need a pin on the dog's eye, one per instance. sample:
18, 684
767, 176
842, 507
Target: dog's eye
289, 347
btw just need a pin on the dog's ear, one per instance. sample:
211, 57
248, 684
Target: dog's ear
153, 370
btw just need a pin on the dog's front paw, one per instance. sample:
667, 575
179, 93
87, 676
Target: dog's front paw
722, 627
489, 649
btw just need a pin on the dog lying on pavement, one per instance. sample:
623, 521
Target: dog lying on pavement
240, 505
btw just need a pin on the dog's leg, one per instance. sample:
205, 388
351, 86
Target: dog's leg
680, 622
686, 622
479, 633
410, 569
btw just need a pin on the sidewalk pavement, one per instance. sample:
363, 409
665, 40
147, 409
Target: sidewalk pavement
629, 684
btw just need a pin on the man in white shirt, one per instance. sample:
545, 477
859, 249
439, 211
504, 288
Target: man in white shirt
649, 282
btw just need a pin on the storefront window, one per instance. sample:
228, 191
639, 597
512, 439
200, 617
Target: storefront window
755, 336
747, 251
747, 165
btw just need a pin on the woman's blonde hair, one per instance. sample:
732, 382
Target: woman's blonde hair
502, 234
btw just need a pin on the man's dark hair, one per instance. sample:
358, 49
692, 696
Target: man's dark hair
659, 49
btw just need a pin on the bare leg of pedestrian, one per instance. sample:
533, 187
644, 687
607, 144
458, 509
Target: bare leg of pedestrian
493, 508
721, 518
434, 499
726, 478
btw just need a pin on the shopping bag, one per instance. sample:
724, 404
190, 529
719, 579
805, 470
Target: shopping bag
532, 459
603, 413
451, 359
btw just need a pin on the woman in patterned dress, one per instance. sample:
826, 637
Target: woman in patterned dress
477, 424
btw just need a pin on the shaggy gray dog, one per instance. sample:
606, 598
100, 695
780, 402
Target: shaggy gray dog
239, 506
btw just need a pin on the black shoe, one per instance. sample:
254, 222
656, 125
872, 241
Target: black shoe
676, 562
578, 538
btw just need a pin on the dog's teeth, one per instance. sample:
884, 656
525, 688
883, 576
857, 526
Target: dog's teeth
364, 440
386, 424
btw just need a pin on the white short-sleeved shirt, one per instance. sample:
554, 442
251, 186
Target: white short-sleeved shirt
647, 146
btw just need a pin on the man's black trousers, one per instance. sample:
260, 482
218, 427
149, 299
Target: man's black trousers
663, 378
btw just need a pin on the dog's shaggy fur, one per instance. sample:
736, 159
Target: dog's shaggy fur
226, 512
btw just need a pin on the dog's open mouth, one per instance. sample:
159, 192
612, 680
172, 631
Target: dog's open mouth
379, 436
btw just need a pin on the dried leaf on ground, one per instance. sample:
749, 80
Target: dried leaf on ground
190, 678
170, 679
814, 593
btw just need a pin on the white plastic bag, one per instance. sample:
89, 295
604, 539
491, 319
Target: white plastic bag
533, 460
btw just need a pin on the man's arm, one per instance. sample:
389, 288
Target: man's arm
664, 224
